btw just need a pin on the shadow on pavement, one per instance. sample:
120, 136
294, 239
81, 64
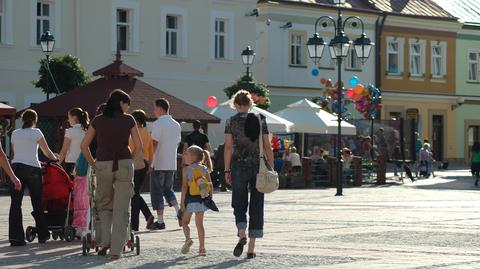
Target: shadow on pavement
454, 183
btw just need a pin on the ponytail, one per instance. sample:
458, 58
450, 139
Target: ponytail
82, 116
207, 161
29, 118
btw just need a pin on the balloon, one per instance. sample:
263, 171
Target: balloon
323, 80
315, 72
358, 89
354, 81
350, 93
211, 101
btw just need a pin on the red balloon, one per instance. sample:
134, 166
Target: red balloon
349, 93
211, 101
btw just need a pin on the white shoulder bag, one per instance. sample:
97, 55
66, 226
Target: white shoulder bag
267, 180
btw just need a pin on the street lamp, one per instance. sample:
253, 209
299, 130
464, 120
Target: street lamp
339, 47
248, 55
47, 42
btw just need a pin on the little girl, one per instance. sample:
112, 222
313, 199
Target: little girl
196, 186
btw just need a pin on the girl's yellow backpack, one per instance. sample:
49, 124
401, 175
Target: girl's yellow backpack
198, 175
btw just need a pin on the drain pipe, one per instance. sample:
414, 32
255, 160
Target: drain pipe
378, 45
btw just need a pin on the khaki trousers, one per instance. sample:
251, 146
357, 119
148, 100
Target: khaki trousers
113, 194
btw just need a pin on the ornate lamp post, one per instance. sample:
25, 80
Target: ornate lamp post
47, 42
248, 55
339, 48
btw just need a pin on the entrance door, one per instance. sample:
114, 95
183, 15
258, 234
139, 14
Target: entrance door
473, 135
437, 137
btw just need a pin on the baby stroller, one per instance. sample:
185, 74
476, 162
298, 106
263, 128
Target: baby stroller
57, 203
93, 236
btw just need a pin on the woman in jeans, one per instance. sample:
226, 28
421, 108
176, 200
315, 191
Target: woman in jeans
114, 169
25, 164
78, 120
141, 165
241, 167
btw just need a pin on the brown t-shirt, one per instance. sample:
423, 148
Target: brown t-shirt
112, 137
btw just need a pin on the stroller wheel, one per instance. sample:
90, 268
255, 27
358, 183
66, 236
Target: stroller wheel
55, 235
69, 232
84, 246
131, 242
30, 234
137, 244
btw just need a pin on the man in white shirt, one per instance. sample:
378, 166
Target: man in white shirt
166, 136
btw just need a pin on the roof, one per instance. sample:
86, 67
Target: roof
417, 8
142, 94
6, 110
468, 11
118, 68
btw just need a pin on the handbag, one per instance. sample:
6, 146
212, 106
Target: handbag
267, 179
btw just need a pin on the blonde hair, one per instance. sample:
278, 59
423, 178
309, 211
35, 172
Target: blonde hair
202, 156
242, 98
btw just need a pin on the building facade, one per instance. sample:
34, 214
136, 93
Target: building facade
190, 49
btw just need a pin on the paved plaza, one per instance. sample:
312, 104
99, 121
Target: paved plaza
432, 223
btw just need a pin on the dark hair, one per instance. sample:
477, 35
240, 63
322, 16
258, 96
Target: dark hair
252, 127
243, 98
140, 116
476, 147
113, 107
100, 109
163, 104
29, 118
81, 115
197, 125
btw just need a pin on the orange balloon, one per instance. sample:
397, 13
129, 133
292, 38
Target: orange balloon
323, 80
358, 89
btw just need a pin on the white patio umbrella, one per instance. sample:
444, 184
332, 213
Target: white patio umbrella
310, 118
224, 111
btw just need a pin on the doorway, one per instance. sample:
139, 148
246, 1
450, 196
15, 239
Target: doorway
437, 137
472, 135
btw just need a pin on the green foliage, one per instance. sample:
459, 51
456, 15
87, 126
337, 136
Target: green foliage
67, 72
258, 90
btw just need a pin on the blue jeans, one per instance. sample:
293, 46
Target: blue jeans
244, 176
161, 185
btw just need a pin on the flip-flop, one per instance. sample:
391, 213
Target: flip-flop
251, 256
238, 250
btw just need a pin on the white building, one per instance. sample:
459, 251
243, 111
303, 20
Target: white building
190, 49
283, 63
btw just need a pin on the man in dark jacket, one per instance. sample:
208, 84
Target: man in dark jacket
198, 138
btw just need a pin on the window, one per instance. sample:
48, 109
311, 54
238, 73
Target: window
297, 55
393, 57
124, 39
352, 61
438, 60
172, 35
416, 58
473, 62
220, 38
44, 19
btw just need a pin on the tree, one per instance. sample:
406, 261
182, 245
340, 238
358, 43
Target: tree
67, 74
258, 90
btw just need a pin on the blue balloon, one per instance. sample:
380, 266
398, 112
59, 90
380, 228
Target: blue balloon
354, 81
315, 72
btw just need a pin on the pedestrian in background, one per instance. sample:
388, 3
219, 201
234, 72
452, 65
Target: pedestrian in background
114, 169
198, 138
141, 165
474, 157
166, 137
25, 164
78, 120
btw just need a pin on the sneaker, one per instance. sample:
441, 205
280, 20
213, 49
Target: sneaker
180, 217
186, 246
158, 226
44, 239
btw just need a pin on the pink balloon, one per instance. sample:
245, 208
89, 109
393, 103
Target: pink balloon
211, 101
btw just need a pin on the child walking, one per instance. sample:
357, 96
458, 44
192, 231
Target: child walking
196, 187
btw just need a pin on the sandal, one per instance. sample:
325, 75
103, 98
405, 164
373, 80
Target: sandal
186, 247
202, 252
251, 256
238, 250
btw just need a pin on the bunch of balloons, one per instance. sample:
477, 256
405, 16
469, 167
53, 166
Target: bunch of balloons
279, 143
368, 100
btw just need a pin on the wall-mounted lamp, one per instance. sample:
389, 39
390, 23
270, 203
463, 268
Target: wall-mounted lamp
252, 13
287, 25
460, 102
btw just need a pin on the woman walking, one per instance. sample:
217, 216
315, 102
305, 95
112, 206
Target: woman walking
241, 167
78, 120
141, 165
475, 161
25, 164
114, 168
